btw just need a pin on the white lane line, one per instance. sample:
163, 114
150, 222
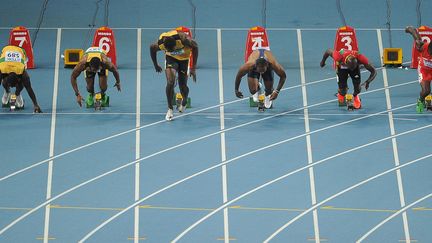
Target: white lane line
196, 174
137, 137
352, 187
162, 121
394, 143
222, 136
277, 179
52, 137
402, 210
175, 147
312, 118
404, 119
308, 137
209, 114
209, 169
214, 117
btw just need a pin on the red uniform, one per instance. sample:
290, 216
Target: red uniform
425, 64
341, 56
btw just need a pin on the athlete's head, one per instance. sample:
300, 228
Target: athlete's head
351, 62
169, 43
261, 65
94, 64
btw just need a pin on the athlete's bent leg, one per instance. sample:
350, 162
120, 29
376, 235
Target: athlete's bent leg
169, 89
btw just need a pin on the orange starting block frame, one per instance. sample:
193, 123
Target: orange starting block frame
256, 39
104, 38
345, 38
20, 36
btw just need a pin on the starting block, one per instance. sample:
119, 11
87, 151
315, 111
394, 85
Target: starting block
428, 101
425, 33
12, 103
72, 57
259, 104
97, 101
349, 101
178, 98
261, 99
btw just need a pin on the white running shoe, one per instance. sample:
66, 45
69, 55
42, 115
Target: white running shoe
181, 108
267, 102
169, 115
19, 102
255, 96
5, 98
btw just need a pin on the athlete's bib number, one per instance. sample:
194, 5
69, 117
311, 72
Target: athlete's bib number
12, 56
346, 40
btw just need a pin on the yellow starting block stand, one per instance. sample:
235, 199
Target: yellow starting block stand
179, 98
72, 57
259, 104
98, 101
261, 98
428, 101
392, 57
12, 102
349, 101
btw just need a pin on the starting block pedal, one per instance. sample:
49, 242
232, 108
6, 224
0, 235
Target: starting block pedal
178, 98
261, 99
12, 102
349, 101
98, 101
428, 101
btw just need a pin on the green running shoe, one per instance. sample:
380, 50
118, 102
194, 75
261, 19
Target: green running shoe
89, 100
105, 100
420, 106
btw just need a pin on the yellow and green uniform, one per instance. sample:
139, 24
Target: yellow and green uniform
181, 52
94, 51
13, 59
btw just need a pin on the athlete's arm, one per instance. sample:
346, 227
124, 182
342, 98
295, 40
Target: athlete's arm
112, 68
26, 83
372, 75
327, 53
75, 73
414, 33
282, 77
154, 48
244, 69
188, 42
191, 43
